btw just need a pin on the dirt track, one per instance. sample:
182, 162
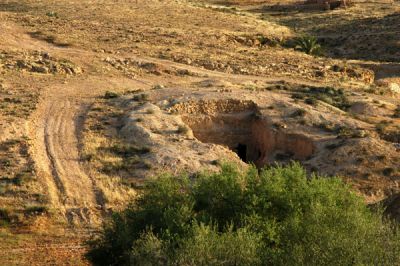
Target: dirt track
57, 159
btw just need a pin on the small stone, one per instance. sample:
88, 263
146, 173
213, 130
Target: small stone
40, 69
158, 87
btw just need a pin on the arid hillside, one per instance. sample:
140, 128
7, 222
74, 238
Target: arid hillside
96, 96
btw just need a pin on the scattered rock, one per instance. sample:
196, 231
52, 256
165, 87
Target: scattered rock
39, 62
394, 87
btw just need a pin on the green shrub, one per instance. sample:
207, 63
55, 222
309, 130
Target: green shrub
110, 95
143, 97
308, 45
183, 129
148, 250
52, 14
35, 209
204, 246
311, 101
207, 246
22, 178
276, 216
299, 112
127, 150
5, 216
263, 40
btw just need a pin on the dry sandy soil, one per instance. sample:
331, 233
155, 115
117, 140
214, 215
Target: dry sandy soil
96, 96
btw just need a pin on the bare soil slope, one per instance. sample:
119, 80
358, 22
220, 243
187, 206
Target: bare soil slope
79, 81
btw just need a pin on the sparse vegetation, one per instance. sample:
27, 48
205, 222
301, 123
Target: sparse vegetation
158, 87
143, 97
348, 132
183, 129
150, 111
392, 136
35, 210
299, 112
381, 127
52, 14
22, 178
121, 157
5, 216
308, 45
329, 95
111, 95
397, 112
311, 101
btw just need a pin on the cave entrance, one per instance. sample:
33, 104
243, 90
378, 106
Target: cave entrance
236, 131
239, 127
241, 151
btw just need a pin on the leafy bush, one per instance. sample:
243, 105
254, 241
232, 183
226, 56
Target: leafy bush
209, 247
110, 95
276, 216
148, 250
308, 45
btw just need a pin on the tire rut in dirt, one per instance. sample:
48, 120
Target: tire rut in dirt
77, 192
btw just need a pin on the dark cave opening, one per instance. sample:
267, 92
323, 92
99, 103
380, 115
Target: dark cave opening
241, 151
252, 138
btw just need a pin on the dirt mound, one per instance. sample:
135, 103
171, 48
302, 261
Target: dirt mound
170, 142
214, 106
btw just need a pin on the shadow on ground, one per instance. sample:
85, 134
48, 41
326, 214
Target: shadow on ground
363, 32
14, 6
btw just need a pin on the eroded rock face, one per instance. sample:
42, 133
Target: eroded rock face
192, 136
270, 143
